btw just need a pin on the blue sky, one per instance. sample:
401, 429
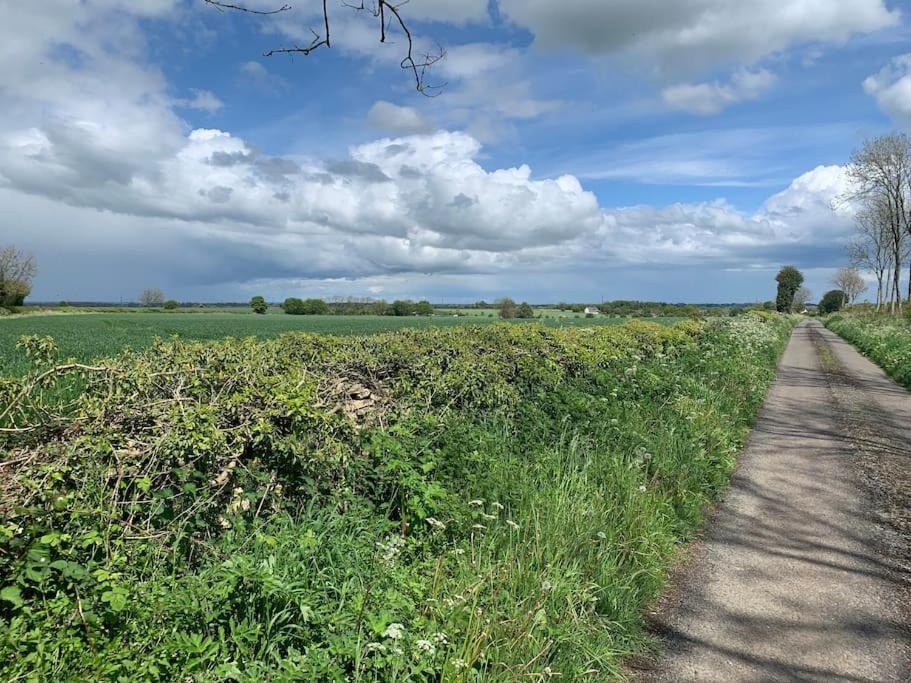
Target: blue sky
580, 150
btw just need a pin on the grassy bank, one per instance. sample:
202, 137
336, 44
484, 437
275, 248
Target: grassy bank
90, 336
471, 503
886, 340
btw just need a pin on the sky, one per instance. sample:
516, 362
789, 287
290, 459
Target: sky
581, 150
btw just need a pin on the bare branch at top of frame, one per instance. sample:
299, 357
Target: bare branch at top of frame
387, 14
240, 8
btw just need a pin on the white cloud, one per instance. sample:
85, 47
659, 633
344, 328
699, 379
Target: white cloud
690, 35
395, 119
891, 88
202, 100
711, 98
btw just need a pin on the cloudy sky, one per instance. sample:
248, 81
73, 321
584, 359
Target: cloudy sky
580, 150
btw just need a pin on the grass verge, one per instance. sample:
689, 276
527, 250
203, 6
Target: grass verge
886, 340
476, 503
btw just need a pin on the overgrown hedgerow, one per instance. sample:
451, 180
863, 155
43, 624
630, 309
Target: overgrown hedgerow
885, 339
474, 503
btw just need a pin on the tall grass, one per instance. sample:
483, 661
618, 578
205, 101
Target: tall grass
885, 339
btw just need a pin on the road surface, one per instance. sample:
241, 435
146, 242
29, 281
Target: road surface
803, 573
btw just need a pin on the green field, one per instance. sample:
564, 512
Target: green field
97, 335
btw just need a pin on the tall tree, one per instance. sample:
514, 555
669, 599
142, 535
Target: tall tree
849, 281
880, 172
789, 280
16, 272
871, 248
151, 297
801, 297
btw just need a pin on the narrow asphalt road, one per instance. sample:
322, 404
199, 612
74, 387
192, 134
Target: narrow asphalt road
803, 571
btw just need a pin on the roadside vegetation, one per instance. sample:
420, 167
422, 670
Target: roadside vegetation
466, 503
885, 339
89, 337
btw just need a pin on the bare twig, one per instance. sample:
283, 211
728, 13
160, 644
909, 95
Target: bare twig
220, 6
386, 13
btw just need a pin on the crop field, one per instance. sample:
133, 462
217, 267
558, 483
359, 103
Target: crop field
464, 503
96, 335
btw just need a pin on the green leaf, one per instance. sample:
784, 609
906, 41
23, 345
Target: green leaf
12, 594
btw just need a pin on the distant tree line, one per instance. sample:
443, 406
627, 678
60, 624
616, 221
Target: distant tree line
400, 307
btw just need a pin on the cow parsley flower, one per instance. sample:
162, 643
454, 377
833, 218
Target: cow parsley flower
394, 631
425, 646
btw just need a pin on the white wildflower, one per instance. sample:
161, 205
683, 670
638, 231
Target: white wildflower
441, 638
394, 631
459, 664
486, 516
374, 647
476, 503
391, 549
546, 586
458, 551
642, 489
498, 506
425, 646
479, 527
436, 524
601, 535
223, 523
512, 525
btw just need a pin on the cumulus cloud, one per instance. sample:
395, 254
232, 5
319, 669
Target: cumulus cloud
711, 98
680, 37
891, 88
800, 216
399, 120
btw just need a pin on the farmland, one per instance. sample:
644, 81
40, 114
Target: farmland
96, 335
484, 502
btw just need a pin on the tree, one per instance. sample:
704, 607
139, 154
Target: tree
507, 308
789, 280
801, 297
16, 272
832, 301
423, 308
151, 297
525, 311
880, 175
849, 281
389, 21
171, 305
295, 306
402, 307
259, 305
871, 248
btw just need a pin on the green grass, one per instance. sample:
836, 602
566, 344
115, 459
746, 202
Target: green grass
505, 509
87, 336
885, 339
